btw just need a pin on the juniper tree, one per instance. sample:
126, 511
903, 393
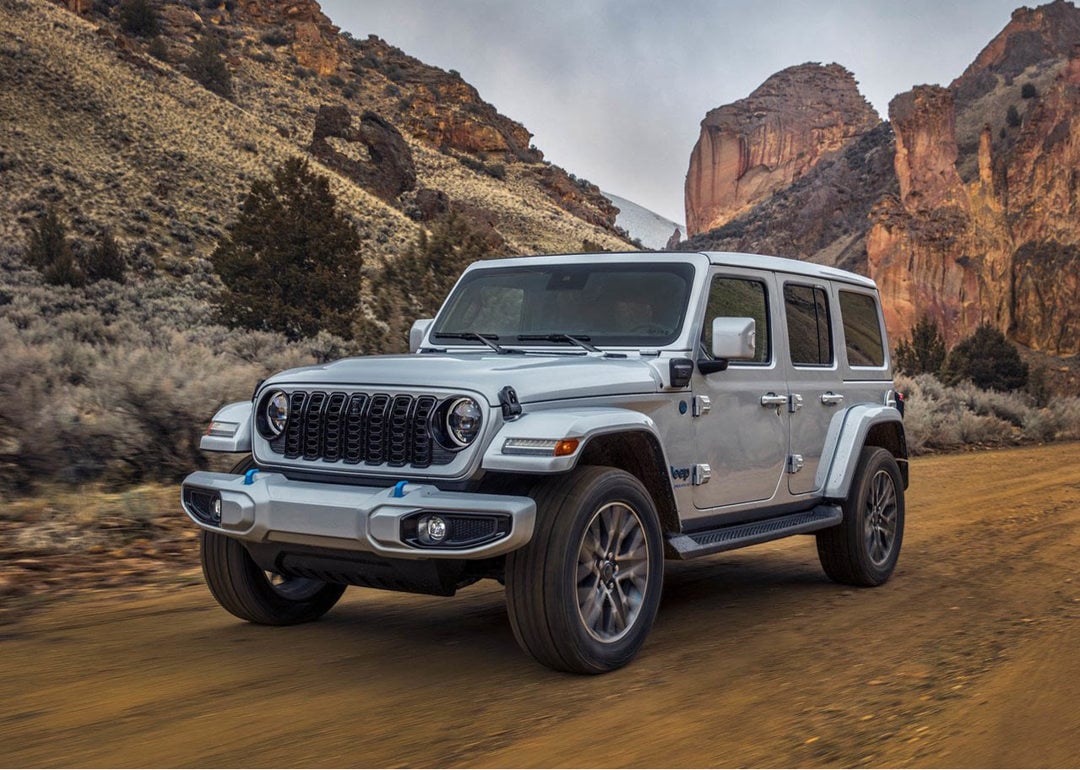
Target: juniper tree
924, 352
292, 263
987, 359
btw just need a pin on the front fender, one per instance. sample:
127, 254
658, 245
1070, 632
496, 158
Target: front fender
237, 416
583, 424
845, 440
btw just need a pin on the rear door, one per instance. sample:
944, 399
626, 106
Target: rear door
813, 375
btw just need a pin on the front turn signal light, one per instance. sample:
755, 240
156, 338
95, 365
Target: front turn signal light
566, 447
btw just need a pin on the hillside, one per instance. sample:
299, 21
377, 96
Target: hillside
964, 207
93, 122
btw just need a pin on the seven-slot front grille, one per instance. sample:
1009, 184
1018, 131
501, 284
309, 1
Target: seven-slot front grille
370, 428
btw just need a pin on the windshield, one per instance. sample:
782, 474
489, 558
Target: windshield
615, 304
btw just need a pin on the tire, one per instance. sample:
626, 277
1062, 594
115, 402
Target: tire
241, 587
863, 548
249, 593
576, 602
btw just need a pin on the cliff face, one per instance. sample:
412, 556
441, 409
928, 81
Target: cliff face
823, 216
750, 149
967, 210
1002, 247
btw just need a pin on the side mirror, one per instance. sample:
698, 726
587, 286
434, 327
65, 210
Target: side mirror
417, 333
734, 339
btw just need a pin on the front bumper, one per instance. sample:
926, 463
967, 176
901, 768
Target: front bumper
274, 509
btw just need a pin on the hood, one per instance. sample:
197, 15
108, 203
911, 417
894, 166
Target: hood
535, 377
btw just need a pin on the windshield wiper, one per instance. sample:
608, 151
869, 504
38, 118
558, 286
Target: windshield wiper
487, 339
581, 340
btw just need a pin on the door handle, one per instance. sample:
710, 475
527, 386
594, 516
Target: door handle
773, 400
832, 399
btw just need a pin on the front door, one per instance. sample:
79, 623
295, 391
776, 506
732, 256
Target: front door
742, 439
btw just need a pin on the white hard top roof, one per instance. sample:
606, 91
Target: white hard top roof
734, 259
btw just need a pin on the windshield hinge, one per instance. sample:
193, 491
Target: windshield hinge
508, 400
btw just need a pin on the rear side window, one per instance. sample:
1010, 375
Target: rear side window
862, 332
739, 298
809, 333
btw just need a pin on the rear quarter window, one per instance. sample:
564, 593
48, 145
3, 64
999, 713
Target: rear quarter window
862, 330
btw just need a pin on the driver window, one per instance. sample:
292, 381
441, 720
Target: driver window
739, 298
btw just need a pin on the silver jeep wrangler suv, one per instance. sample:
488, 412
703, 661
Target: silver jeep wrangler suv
562, 426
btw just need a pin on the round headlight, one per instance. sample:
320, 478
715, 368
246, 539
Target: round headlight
463, 421
277, 412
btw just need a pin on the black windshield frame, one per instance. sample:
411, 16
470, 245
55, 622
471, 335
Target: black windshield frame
612, 304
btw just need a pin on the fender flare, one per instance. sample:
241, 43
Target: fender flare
583, 423
845, 440
238, 412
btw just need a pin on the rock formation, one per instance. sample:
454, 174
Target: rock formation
1002, 247
823, 216
373, 154
758, 145
966, 210
314, 37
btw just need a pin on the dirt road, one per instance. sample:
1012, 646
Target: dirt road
968, 657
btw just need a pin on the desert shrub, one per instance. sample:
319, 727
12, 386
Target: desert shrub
140, 18
987, 359
1028, 91
942, 417
292, 263
49, 250
924, 351
207, 68
158, 49
1012, 116
104, 262
277, 38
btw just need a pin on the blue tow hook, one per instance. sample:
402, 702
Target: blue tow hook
249, 477
399, 489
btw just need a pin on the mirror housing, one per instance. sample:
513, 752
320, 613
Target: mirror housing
734, 339
417, 333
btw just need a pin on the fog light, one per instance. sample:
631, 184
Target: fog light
431, 529
215, 509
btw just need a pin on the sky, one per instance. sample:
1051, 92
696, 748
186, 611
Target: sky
615, 90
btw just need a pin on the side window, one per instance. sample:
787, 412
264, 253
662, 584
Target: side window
862, 332
739, 298
809, 334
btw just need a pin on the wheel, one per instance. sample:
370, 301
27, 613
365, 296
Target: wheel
582, 594
863, 548
249, 593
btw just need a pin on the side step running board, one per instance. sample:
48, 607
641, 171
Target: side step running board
692, 544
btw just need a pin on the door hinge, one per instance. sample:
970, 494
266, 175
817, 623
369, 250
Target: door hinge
795, 463
702, 474
702, 405
794, 403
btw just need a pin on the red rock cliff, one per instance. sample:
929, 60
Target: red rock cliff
750, 149
1003, 248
